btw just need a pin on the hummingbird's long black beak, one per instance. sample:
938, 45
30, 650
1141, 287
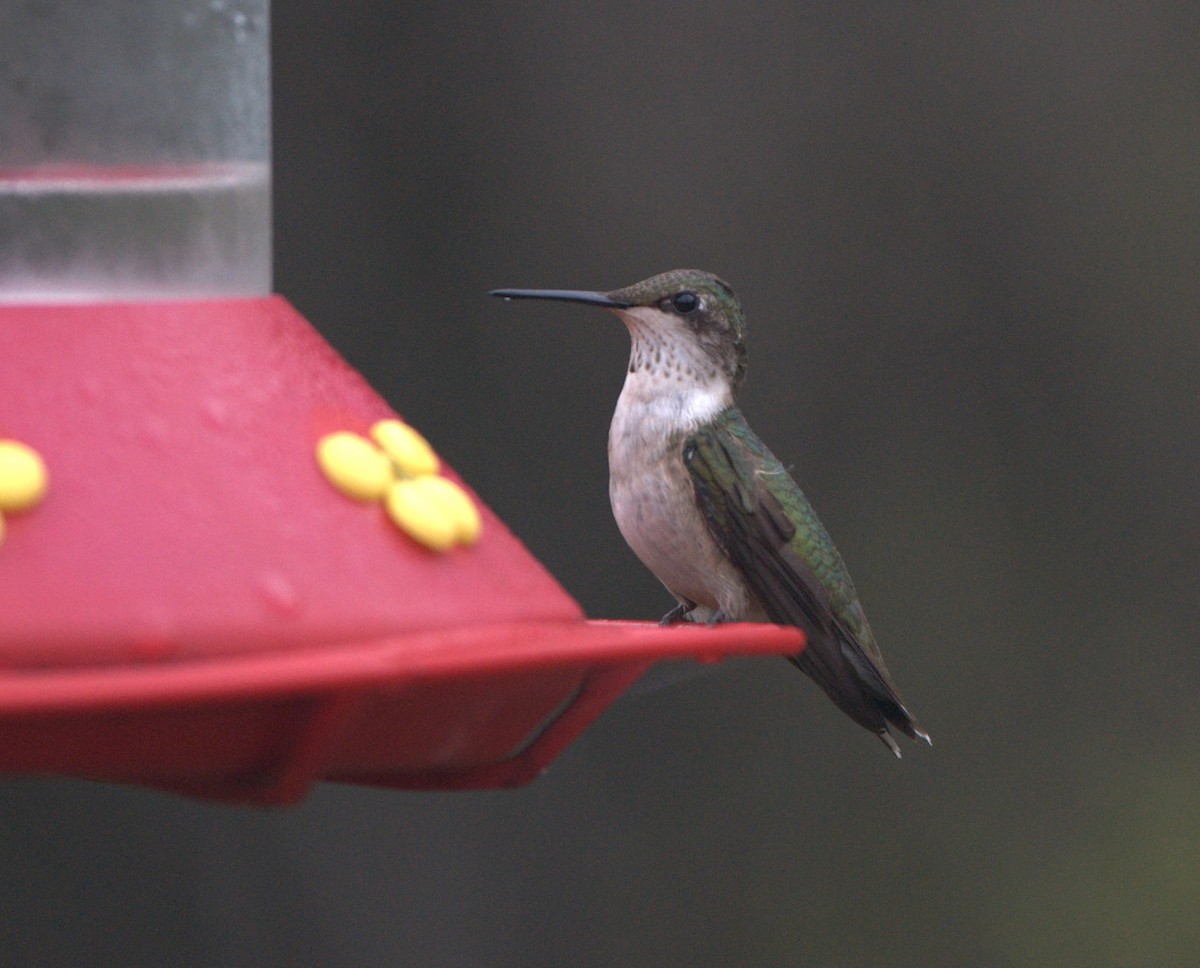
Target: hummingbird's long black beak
565, 295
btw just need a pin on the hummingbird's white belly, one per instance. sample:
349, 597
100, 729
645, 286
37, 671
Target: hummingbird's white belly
654, 504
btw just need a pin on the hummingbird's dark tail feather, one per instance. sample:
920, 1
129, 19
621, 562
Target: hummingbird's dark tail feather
857, 685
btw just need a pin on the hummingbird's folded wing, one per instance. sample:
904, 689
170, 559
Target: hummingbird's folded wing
738, 485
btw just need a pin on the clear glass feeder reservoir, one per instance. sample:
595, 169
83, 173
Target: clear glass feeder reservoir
134, 150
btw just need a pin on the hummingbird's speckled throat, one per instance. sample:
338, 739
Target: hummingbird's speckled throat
709, 509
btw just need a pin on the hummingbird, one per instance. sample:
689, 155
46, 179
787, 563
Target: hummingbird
710, 510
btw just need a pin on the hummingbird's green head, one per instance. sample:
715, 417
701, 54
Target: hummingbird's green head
685, 324
689, 306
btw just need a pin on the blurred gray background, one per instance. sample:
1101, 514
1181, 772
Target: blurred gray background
968, 241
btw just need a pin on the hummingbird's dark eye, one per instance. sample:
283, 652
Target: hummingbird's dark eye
685, 302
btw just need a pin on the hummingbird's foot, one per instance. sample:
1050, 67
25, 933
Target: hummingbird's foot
677, 614
716, 618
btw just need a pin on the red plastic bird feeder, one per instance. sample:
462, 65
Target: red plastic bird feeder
189, 598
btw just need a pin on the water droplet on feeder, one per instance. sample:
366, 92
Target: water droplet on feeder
279, 594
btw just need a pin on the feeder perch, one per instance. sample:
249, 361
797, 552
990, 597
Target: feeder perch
190, 599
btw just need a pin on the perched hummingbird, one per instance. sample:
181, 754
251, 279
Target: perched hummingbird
709, 509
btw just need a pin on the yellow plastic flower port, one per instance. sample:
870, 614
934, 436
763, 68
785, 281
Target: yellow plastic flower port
23, 478
457, 507
434, 511
417, 512
402, 472
409, 451
355, 466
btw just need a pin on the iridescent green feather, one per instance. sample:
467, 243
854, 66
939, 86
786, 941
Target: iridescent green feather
811, 541
766, 526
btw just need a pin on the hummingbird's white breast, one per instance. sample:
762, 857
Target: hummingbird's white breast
668, 393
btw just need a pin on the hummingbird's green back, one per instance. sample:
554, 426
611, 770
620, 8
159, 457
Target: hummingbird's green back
767, 527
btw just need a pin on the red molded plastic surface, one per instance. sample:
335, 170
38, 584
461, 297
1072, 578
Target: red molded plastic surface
194, 607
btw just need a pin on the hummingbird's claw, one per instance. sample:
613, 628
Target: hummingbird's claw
677, 614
